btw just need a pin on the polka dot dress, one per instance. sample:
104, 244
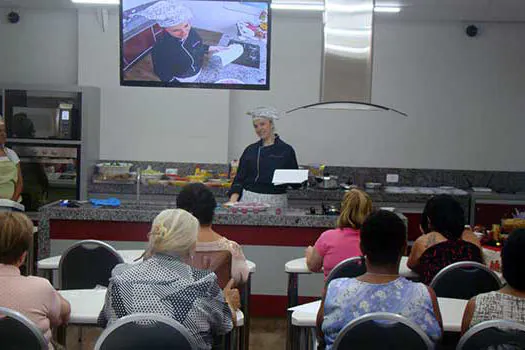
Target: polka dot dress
164, 285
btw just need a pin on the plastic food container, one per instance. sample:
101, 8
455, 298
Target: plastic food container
112, 169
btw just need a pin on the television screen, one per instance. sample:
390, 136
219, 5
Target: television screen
195, 43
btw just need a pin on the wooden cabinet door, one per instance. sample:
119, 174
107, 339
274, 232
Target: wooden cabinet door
138, 45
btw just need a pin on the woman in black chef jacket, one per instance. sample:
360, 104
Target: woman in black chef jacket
253, 182
178, 54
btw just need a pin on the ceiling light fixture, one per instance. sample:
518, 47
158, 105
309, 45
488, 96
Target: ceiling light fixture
297, 6
96, 2
387, 9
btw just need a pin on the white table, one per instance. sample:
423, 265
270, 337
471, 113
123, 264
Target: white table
129, 257
305, 316
298, 267
87, 303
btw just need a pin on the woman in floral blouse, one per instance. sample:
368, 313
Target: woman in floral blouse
380, 289
197, 199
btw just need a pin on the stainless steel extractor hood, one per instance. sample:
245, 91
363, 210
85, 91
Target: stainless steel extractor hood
347, 51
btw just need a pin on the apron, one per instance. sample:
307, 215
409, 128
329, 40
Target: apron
8, 178
274, 200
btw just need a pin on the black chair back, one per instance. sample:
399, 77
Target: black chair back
18, 332
87, 264
495, 334
351, 267
382, 331
145, 331
464, 280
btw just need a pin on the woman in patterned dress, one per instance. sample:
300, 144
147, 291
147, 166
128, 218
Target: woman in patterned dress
165, 284
508, 303
380, 289
446, 242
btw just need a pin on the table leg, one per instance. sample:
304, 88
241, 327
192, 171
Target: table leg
62, 335
244, 332
291, 337
303, 338
293, 290
293, 300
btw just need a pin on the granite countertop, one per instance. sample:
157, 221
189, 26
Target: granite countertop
130, 211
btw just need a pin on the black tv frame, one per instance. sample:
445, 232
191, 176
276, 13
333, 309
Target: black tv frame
141, 83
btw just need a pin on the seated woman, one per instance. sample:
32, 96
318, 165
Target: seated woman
446, 243
508, 303
380, 289
197, 199
334, 246
164, 284
32, 296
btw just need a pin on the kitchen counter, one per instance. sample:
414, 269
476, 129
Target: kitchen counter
66, 220
130, 211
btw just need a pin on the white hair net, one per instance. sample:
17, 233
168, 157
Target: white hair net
173, 230
167, 13
264, 112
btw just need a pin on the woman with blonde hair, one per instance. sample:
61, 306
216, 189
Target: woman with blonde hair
165, 284
32, 296
334, 246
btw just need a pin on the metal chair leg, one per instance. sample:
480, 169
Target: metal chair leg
293, 300
244, 332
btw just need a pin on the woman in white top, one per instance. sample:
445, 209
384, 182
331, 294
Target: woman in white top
11, 183
197, 199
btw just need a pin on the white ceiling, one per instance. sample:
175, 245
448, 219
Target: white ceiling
462, 10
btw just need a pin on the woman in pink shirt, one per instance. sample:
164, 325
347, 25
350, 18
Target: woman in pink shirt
32, 296
334, 246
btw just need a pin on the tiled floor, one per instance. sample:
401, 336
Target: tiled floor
266, 333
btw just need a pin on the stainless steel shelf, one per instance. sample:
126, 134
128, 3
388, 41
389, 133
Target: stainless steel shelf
43, 160
49, 142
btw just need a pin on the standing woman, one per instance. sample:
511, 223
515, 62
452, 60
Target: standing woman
10, 174
253, 182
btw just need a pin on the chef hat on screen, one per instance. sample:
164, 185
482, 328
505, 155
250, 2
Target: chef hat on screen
167, 13
264, 112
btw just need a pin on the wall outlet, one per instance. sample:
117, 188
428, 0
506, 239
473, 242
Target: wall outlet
392, 178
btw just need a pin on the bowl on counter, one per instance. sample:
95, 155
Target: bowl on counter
373, 185
327, 182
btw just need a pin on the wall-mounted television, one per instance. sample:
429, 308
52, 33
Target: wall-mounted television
195, 43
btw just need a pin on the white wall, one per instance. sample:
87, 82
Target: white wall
40, 49
185, 125
464, 98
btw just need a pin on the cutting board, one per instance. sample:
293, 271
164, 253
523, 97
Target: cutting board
251, 56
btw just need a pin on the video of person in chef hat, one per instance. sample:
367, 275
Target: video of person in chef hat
188, 43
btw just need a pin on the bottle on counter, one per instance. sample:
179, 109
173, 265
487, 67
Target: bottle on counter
234, 166
496, 232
